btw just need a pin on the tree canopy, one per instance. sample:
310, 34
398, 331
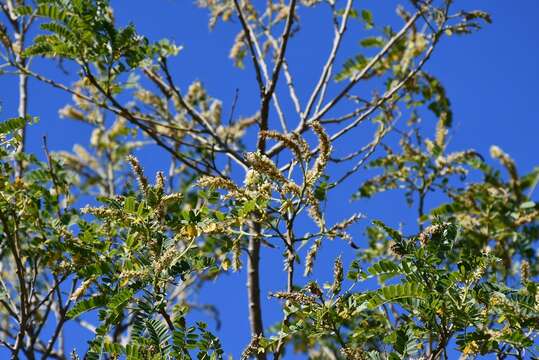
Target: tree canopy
90, 239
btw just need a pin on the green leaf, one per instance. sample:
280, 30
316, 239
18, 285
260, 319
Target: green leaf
394, 234
367, 17
9, 126
159, 334
351, 67
372, 42
58, 29
247, 208
24, 10
385, 269
355, 273
113, 348
129, 205
51, 12
120, 300
394, 293
134, 351
321, 191
87, 305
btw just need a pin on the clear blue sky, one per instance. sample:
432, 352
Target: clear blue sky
491, 78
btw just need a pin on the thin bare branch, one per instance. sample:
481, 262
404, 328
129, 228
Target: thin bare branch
361, 75
250, 43
303, 126
326, 71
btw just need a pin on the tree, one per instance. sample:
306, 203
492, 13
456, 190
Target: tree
137, 252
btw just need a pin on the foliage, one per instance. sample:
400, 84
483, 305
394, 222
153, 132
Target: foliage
420, 299
88, 240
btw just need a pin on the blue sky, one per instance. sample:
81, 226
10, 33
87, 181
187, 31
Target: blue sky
491, 78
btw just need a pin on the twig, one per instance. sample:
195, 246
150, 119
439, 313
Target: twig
303, 126
326, 71
268, 93
250, 43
